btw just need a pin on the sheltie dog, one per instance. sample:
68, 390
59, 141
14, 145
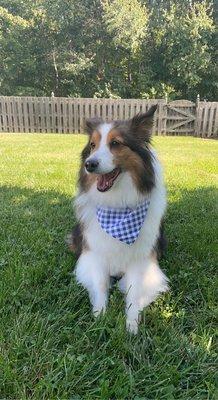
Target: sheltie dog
120, 206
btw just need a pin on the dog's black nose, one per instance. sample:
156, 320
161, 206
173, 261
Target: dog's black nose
91, 165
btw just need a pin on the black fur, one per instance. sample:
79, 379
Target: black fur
161, 245
148, 177
141, 125
75, 240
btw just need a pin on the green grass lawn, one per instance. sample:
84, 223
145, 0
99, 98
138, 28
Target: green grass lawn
50, 345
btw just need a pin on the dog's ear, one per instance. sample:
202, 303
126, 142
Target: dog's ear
141, 124
91, 124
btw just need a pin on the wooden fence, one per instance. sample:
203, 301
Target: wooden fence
67, 115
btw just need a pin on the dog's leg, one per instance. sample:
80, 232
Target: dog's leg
144, 281
93, 275
122, 284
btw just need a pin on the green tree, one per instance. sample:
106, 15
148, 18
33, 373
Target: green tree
111, 48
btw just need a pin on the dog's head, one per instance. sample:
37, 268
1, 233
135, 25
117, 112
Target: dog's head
117, 147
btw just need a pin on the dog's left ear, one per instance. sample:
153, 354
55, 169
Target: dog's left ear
91, 124
141, 124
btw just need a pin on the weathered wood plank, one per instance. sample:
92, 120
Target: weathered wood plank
198, 123
70, 115
42, 114
30, 115
215, 124
3, 115
14, 115
205, 120
9, 113
53, 114
47, 115
80, 115
20, 114
160, 118
211, 119
25, 114
103, 109
76, 105
37, 114
92, 107
110, 109
98, 108
65, 115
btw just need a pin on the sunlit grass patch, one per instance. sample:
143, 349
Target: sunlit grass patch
50, 345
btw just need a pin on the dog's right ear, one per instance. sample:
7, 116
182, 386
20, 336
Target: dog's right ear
141, 124
91, 124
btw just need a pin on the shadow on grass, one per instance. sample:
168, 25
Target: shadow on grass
33, 254
34, 226
44, 310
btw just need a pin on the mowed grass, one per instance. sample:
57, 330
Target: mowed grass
50, 345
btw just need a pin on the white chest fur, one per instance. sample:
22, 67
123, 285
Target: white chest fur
116, 255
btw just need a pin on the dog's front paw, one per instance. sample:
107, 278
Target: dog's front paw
98, 311
132, 326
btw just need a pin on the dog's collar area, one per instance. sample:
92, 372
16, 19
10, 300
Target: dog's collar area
125, 223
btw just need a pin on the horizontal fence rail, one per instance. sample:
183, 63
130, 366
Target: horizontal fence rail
67, 115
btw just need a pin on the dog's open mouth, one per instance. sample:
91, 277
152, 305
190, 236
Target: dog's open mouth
106, 181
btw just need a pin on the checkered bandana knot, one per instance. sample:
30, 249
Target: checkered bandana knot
123, 224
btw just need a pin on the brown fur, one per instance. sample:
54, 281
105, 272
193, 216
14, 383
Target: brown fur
114, 134
85, 180
133, 154
96, 139
75, 241
130, 161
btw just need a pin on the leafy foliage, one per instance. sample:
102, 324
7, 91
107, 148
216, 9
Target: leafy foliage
111, 48
127, 21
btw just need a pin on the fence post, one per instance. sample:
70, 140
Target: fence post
161, 118
165, 115
197, 122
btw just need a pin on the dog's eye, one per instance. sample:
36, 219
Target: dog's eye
92, 145
114, 143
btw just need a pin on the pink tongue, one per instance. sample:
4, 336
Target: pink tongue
104, 182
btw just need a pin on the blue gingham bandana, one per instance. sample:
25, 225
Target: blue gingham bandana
123, 224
